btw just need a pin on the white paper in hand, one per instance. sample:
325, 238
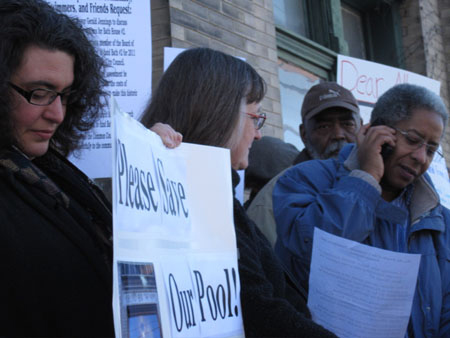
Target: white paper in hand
357, 290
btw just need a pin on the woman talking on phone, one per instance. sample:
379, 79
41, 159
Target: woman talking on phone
378, 193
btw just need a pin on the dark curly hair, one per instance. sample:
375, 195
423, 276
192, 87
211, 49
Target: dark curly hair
200, 96
25, 23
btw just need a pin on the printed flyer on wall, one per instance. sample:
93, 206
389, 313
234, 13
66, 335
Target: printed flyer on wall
175, 259
122, 36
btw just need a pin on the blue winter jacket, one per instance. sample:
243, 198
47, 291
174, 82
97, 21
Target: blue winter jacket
336, 197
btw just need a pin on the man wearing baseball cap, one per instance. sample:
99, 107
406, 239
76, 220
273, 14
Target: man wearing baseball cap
330, 119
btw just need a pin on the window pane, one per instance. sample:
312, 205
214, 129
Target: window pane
353, 32
290, 14
294, 83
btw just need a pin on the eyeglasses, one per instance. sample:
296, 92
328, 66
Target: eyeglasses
258, 119
42, 96
415, 141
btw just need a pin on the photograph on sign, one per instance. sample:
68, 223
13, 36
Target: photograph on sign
175, 256
138, 300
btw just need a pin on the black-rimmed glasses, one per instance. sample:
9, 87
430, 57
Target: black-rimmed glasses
258, 119
415, 141
42, 96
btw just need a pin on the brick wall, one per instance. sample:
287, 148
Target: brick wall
160, 37
444, 10
241, 28
432, 28
426, 37
414, 56
433, 43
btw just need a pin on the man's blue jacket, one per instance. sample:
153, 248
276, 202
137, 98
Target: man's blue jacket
337, 197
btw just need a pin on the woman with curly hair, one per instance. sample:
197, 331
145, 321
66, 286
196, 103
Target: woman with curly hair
55, 233
55, 236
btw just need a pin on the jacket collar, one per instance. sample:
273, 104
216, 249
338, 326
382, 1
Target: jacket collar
45, 195
23, 167
302, 157
424, 197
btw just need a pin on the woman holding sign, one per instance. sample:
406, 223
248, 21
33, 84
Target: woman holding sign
212, 98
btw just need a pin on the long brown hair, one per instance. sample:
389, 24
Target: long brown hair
200, 94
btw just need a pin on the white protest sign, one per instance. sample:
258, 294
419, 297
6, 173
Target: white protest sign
357, 290
184, 312
200, 292
368, 81
170, 53
439, 176
123, 38
175, 259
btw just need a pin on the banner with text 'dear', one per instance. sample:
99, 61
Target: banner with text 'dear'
175, 259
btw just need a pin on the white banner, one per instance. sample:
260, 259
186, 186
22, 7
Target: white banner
369, 80
175, 259
123, 38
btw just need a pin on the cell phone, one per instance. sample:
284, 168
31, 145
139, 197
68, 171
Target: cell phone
386, 149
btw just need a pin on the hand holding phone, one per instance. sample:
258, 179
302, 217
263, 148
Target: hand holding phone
386, 149
376, 143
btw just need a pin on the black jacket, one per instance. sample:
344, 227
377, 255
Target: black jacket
55, 258
272, 306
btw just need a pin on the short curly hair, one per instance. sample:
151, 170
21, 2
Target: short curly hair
25, 23
400, 101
